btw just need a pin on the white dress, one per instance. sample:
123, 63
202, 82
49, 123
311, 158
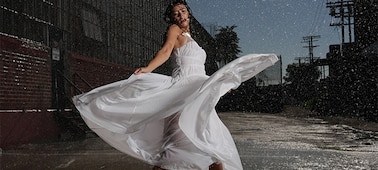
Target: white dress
170, 121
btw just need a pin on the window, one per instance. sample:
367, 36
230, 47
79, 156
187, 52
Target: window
91, 25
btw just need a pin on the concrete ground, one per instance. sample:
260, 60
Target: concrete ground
265, 141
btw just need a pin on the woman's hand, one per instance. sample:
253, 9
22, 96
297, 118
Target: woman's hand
142, 70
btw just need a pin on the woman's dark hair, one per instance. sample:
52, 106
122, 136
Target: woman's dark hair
168, 11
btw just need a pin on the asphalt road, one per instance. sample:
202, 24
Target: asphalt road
264, 141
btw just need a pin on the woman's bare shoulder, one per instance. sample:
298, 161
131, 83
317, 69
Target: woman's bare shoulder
174, 29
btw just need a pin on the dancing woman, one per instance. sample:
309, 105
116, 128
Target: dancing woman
170, 121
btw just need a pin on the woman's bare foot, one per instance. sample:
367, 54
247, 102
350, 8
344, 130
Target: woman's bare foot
216, 166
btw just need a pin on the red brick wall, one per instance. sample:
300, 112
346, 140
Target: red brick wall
25, 85
24, 127
26, 88
96, 72
25, 79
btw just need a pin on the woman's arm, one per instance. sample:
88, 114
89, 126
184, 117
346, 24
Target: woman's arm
163, 54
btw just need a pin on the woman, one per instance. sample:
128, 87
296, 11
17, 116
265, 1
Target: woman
170, 121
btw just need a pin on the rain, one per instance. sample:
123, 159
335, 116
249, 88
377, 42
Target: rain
316, 108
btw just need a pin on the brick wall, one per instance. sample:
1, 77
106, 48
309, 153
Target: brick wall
21, 127
96, 72
25, 79
25, 92
26, 88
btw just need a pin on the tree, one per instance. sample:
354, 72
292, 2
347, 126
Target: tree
227, 44
301, 81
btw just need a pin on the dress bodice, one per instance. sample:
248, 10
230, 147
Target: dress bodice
188, 60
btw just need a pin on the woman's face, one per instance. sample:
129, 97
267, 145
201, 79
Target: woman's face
180, 15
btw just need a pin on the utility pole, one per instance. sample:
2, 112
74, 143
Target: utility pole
342, 9
310, 41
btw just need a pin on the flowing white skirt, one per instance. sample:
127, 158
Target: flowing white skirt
167, 122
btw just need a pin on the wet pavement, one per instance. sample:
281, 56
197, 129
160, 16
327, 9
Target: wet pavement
265, 141
277, 142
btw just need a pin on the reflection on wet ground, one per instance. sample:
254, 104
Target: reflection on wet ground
308, 131
276, 142
265, 141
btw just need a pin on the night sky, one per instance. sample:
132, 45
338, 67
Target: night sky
272, 26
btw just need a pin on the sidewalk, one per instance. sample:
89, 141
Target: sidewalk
265, 141
92, 153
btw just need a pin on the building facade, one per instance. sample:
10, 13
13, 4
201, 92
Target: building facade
122, 32
53, 49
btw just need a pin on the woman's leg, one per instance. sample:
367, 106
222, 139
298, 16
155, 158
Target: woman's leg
216, 166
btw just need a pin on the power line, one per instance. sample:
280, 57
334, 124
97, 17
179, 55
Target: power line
315, 21
310, 41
